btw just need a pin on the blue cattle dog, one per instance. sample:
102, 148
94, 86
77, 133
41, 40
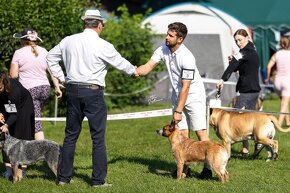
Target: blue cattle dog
23, 152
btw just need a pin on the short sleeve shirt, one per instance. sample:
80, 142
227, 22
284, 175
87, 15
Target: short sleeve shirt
178, 62
32, 69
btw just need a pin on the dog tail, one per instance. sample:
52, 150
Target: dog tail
275, 121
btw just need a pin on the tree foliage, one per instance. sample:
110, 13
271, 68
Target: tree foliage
56, 19
53, 20
134, 43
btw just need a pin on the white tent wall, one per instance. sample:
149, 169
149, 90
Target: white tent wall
210, 39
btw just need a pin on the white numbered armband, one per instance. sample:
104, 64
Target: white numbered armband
238, 56
10, 108
187, 74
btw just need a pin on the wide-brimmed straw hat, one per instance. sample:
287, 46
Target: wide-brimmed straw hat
28, 34
93, 14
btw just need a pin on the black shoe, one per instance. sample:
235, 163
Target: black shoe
258, 149
205, 174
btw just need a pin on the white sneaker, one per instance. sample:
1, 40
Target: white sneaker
103, 185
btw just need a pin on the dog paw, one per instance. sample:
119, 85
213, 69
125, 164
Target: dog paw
275, 156
183, 175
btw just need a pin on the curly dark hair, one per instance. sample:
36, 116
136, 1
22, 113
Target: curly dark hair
179, 28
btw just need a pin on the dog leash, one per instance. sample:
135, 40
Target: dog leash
218, 95
247, 110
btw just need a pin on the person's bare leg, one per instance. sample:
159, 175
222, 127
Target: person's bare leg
202, 135
39, 135
283, 108
287, 117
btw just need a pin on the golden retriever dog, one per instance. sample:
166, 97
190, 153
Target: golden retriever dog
189, 152
233, 127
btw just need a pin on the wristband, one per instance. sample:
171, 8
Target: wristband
178, 112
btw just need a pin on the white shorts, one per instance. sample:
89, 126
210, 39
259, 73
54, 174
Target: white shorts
193, 116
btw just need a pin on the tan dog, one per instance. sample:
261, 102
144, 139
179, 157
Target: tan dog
187, 151
232, 127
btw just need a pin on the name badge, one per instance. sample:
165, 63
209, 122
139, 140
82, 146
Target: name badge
10, 108
187, 74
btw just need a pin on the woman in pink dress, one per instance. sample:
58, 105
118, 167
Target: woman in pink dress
282, 79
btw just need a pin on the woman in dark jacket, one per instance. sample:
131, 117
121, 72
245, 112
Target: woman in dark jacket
16, 112
247, 63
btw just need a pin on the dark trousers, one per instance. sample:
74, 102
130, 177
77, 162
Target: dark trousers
247, 100
83, 102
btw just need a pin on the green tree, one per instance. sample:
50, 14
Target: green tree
52, 19
134, 42
55, 19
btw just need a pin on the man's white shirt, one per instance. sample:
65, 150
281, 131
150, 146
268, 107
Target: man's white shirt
175, 62
86, 57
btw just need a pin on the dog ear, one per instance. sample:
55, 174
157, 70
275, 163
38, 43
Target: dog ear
172, 125
210, 110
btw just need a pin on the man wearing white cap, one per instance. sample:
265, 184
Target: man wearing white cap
86, 57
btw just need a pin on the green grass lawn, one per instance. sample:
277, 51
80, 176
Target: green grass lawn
141, 161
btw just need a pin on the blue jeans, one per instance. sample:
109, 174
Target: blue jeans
83, 102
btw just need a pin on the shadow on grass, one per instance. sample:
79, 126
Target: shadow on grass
156, 166
41, 170
44, 172
237, 155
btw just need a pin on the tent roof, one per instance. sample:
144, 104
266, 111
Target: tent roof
257, 12
195, 16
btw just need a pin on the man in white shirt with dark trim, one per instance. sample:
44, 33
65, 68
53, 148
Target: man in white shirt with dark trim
188, 96
86, 57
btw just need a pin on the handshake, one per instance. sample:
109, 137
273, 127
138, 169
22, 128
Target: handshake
137, 72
